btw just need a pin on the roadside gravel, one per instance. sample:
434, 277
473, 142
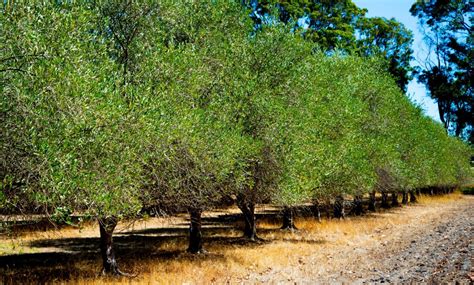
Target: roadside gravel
443, 253
434, 246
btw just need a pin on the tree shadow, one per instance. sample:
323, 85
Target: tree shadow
63, 259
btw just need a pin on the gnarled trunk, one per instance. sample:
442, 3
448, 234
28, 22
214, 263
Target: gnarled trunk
371, 201
195, 234
316, 210
394, 199
248, 211
385, 203
106, 227
339, 207
405, 198
288, 219
412, 197
357, 205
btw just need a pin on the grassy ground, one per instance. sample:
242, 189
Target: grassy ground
154, 248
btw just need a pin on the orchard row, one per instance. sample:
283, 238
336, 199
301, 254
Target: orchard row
110, 110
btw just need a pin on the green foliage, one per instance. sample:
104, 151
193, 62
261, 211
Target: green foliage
194, 109
389, 39
82, 137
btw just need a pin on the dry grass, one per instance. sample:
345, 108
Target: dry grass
427, 199
230, 259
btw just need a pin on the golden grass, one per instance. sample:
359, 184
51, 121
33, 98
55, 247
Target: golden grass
429, 199
236, 263
326, 244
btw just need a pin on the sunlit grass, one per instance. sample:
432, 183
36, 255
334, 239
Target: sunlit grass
427, 199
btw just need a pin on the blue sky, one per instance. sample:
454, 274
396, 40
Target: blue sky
399, 9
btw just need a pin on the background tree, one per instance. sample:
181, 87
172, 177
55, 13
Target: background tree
448, 67
331, 24
390, 40
343, 26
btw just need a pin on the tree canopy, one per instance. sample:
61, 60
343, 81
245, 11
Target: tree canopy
343, 26
204, 108
448, 69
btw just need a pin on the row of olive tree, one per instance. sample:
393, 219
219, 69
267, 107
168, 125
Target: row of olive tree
110, 109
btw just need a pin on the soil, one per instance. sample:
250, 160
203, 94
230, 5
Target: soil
435, 246
443, 253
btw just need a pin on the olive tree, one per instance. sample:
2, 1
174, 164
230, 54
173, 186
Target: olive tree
196, 166
83, 138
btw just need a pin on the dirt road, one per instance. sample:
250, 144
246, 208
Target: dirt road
443, 253
434, 245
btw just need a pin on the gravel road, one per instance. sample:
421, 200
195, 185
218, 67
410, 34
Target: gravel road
441, 254
434, 246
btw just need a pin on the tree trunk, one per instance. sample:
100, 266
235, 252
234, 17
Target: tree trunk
385, 204
316, 210
339, 207
328, 210
372, 201
250, 229
288, 219
405, 198
195, 234
394, 199
357, 203
412, 197
106, 227
248, 211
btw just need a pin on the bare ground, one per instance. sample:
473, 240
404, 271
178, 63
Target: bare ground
430, 242
434, 245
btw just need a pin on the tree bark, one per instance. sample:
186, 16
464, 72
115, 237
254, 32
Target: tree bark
405, 198
372, 201
339, 207
316, 210
195, 234
394, 199
412, 197
288, 219
248, 211
385, 204
109, 263
357, 203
